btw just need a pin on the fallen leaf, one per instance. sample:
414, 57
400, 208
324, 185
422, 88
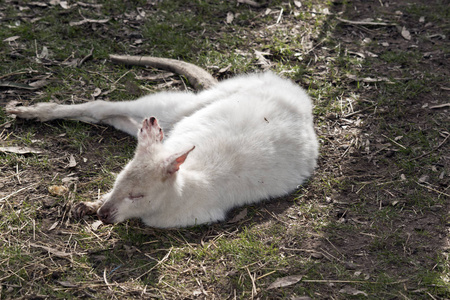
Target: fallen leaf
40, 4
53, 226
285, 281
352, 291
58, 190
405, 33
96, 92
20, 150
261, 59
69, 179
72, 162
64, 4
423, 178
249, 2
67, 284
223, 70
11, 39
96, 225
230, 17
38, 83
44, 53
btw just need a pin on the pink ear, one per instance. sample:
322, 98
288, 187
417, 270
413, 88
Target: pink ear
174, 162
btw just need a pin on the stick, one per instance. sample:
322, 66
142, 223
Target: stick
198, 77
250, 2
434, 149
365, 22
16, 192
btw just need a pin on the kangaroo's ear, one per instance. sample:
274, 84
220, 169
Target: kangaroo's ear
173, 163
150, 133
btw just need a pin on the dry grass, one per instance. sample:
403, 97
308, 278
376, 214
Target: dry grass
372, 223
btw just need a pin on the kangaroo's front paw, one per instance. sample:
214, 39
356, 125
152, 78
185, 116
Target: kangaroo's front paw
85, 208
40, 111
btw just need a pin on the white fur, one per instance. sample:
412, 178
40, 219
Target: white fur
253, 137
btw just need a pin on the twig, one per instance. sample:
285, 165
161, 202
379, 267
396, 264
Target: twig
358, 112
279, 16
157, 264
400, 145
445, 105
254, 291
197, 76
365, 22
86, 57
250, 2
434, 190
434, 149
352, 281
16, 192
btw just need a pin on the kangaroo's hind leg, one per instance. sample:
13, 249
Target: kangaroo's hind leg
111, 113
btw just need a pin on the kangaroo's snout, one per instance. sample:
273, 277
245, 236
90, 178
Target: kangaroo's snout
106, 215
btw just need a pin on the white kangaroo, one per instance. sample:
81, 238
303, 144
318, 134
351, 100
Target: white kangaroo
244, 140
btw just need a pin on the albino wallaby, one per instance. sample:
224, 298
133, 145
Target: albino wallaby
243, 140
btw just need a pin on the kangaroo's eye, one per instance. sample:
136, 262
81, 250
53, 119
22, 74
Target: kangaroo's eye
135, 197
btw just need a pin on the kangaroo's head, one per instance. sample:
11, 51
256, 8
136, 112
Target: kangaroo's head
147, 182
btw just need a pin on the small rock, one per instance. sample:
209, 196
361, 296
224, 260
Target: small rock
316, 255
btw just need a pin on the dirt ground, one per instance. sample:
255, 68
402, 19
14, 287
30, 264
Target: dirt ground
373, 222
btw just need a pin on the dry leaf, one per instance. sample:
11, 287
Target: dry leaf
11, 39
285, 281
58, 190
20, 150
67, 284
352, 291
64, 4
53, 226
249, 2
38, 83
72, 162
69, 179
44, 53
223, 70
230, 17
261, 59
96, 225
423, 178
40, 4
405, 34
96, 92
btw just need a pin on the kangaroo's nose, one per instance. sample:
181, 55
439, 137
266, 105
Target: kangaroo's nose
104, 215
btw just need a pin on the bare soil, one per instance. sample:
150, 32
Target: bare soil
380, 192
